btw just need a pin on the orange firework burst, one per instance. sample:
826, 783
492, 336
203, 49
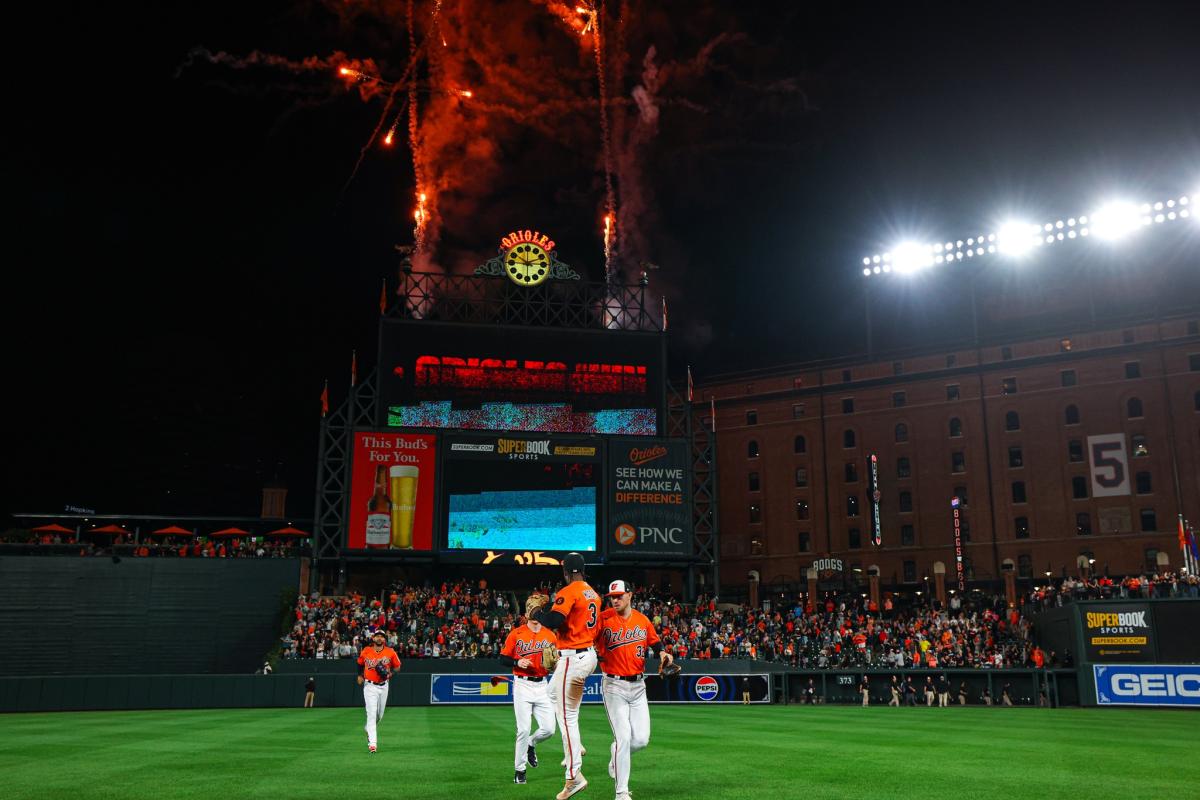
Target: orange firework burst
465, 93
421, 217
610, 239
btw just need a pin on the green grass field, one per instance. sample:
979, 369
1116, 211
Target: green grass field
773, 752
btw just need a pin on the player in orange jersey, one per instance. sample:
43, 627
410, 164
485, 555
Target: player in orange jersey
624, 637
378, 662
523, 652
574, 615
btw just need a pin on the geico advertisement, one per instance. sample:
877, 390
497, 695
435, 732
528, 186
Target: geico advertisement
1143, 685
649, 497
476, 689
1118, 631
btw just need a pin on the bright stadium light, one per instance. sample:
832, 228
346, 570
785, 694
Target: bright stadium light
1116, 220
910, 257
1017, 238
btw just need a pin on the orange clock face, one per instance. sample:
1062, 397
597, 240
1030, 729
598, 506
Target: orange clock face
527, 264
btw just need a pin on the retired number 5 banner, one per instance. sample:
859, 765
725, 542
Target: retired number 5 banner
1109, 465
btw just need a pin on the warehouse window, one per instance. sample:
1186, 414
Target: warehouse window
907, 535
903, 467
1021, 527
799, 445
752, 449
1149, 520
955, 427
1072, 415
905, 502
1133, 408
801, 477
1074, 451
952, 392
958, 462
1012, 421
1067, 377
754, 484
848, 439
1079, 487
1015, 458
751, 417
1018, 492
1083, 524
902, 431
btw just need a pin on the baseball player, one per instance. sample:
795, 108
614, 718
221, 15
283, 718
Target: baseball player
523, 652
378, 662
574, 615
624, 638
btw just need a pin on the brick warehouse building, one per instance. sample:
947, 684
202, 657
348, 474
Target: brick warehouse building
794, 445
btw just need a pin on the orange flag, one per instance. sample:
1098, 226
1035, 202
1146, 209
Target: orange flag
325, 399
383, 298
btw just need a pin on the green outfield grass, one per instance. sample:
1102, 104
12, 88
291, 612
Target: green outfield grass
773, 752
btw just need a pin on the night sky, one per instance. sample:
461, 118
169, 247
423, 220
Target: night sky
188, 268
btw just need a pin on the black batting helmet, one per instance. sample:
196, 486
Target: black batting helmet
573, 562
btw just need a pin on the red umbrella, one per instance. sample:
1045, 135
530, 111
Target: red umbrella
172, 530
52, 528
230, 532
110, 529
289, 531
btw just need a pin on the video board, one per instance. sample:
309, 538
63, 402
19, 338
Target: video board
473, 377
505, 494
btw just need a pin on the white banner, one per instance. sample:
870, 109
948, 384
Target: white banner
1109, 465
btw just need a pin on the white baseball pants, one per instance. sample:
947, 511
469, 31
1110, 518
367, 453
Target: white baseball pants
531, 698
629, 716
375, 697
566, 693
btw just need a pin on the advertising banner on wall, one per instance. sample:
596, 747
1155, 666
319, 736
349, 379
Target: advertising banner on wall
1117, 632
649, 498
1144, 685
489, 689
708, 688
462, 689
392, 491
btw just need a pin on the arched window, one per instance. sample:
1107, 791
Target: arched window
1012, 421
902, 429
1072, 415
752, 449
955, 427
799, 445
905, 502
848, 438
1133, 407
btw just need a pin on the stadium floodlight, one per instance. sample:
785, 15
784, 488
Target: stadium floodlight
909, 257
1116, 220
1111, 223
1017, 238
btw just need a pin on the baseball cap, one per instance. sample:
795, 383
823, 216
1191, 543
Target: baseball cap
617, 587
573, 562
379, 632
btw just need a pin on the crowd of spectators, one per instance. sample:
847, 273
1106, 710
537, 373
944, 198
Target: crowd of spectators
461, 620
165, 546
1131, 587
453, 620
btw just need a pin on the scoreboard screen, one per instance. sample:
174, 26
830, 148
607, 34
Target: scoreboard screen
517, 494
524, 379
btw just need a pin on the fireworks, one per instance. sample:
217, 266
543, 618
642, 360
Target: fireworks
421, 217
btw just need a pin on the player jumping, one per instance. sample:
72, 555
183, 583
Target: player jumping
574, 615
623, 638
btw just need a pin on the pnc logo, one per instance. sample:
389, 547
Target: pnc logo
706, 687
626, 534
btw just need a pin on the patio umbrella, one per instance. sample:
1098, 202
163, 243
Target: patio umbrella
289, 531
172, 530
51, 528
230, 532
112, 530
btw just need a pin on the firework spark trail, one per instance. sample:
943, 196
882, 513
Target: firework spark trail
610, 197
421, 215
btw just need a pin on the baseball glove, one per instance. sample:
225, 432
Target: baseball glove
669, 670
384, 672
549, 658
536, 601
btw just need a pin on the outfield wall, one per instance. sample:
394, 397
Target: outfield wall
95, 615
130, 692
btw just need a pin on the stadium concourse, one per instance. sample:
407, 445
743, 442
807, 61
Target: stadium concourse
458, 620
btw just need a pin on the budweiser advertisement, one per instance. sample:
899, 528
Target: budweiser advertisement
649, 498
392, 491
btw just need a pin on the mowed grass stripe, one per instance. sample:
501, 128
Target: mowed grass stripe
696, 752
